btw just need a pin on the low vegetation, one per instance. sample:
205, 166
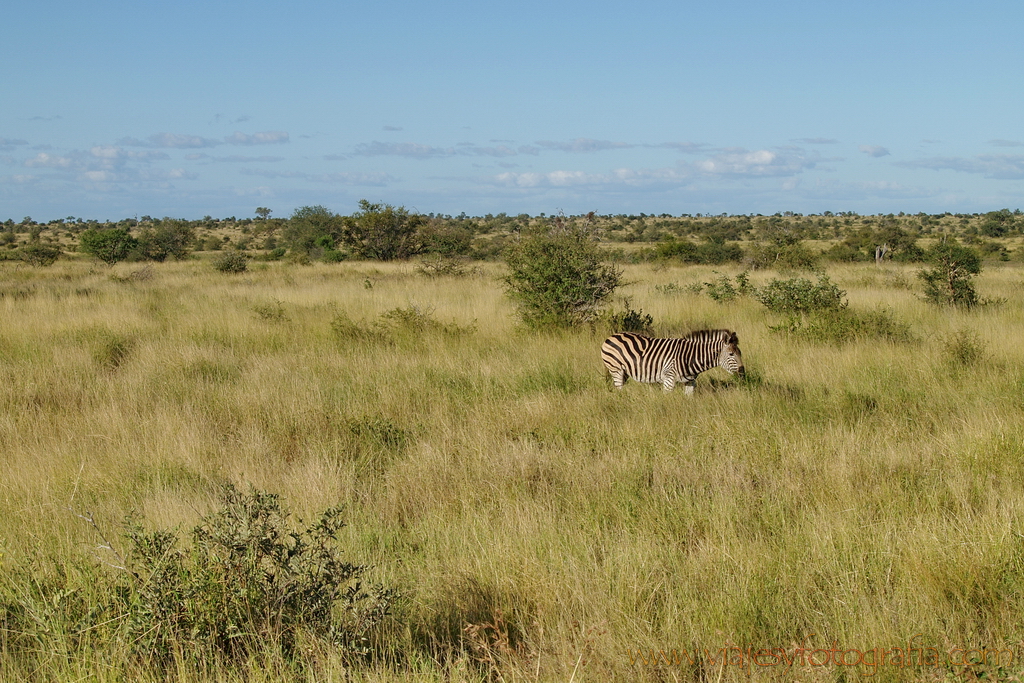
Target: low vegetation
347, 470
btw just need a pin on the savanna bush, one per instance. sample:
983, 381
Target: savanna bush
836, 326
38, 254
630, 320
231, 262
557, 276
109, 245
963, 348
950, 279
245, 586
711, 252
800, 295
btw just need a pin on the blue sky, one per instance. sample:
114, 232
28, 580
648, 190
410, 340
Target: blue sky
186, 109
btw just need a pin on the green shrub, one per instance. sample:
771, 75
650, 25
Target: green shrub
170, 237
38, 254
247, 585
964, 348
839, 325
800, 295
950, 281
557, 276
793, 256
382, 232
723, 290
109, 245
685, 251
629, 320
231, 262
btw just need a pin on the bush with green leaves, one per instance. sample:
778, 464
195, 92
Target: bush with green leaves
630, 320
801, 296
312, 231
840, 325
950, 280
557, 276
109, 245
711, 252
169, 237
383, 232
39, 254
231, 262
723, 290
247, 584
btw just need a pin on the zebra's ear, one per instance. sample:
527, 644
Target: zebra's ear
734, 338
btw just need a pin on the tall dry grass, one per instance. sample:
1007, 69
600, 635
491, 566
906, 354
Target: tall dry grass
539, 525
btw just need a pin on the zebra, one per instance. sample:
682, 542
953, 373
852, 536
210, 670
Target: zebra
669, 361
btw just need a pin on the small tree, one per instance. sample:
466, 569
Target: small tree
170, 237
557, 276
39, 254
312, 230
383, 232
109, 245
950, 282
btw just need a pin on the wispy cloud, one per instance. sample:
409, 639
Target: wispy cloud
874, 150
1006, 143
735, 164
240, 159
583, 145
392, 129
757, 164
179, 141
169, 141
106, 164
272, 137
817, 141
993, 166
413, 150
402, 149
8, 145
364, 179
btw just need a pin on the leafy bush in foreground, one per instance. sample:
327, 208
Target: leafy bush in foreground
558, 277
247, 587
247, 584
800, 295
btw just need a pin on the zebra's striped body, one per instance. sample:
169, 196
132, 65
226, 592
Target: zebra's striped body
670, 361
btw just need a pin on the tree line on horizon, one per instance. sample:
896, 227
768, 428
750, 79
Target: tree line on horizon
379, 231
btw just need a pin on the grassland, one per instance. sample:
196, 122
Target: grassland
539, 525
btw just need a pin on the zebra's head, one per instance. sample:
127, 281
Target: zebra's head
730, 357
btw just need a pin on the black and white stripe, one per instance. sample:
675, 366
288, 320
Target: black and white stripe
670, 361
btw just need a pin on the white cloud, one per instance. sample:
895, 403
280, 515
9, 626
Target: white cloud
583, 145
874, 150
758, 163
368, 179
993, 166
272, 137
45, 160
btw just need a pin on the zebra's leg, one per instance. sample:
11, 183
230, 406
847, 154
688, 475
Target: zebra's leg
618, 378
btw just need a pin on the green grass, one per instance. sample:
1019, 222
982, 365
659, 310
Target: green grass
538, 524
